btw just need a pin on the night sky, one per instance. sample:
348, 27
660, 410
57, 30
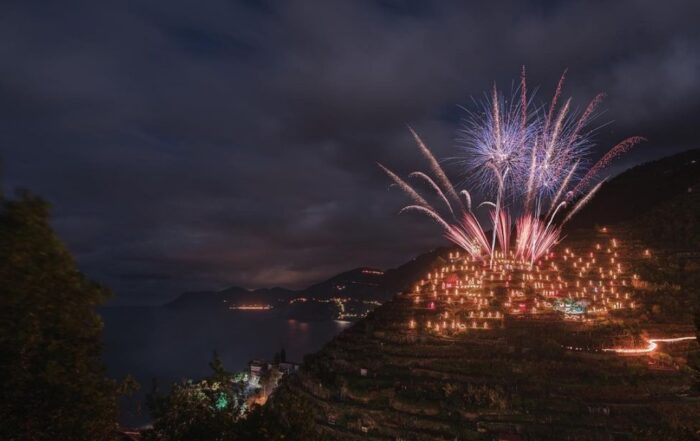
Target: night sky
196, 145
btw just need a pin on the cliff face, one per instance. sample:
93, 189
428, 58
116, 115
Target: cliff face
389, 377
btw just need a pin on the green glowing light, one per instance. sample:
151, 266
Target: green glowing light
570, 306
221, 402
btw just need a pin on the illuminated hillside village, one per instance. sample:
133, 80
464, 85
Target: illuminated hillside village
566, 346
586, 286
578, 299
469, 294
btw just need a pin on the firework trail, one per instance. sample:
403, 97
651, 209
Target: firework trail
436, 217
584, 200
527, 162
534, 239
467, 233
585, 117
467, 199
435, 167
502, 228
497, 119
561, 190
619, 149
469, 236
405, 187
555, 98
557, 127
434, 186
523, 100
497, 214
531, 177
478, 237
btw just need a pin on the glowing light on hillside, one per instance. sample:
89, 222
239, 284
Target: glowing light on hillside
464, 289
652, 345
251, 307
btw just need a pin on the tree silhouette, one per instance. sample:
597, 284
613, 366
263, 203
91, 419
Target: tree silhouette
53, 381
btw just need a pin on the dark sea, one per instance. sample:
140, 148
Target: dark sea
168, 345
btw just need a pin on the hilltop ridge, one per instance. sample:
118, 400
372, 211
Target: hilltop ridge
640, 190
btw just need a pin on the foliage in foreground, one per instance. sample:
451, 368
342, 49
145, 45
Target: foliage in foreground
53, 380
216, 409
203, 410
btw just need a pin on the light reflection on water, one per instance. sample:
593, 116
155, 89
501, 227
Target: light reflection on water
170, 345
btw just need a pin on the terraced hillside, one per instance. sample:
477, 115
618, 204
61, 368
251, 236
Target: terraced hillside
539, 377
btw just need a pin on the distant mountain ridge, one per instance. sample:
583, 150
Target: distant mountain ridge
363, 283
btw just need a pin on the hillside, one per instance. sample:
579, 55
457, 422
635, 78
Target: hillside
640, 190
392, 376
672, 224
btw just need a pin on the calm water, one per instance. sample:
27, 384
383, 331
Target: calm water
169, 345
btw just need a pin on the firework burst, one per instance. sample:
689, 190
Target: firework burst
492, 139
530, 161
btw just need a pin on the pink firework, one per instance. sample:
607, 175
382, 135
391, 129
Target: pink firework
461, 226
503, 227
616, 151
534, 238
529, 162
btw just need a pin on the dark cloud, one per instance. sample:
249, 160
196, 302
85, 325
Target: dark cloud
193, 147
